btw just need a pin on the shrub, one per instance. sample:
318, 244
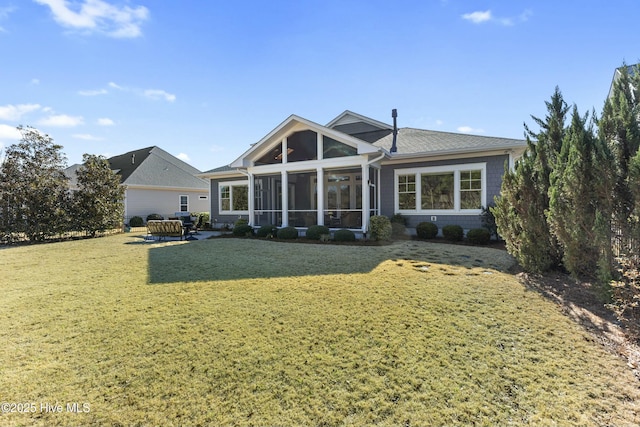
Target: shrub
380, 227
315, 231
136, 221
453, 233
399, 219
204, 215
243, 230
427, 230
288, 233
489, 221
398, 230
479, 236
241, 221
344, 235
154, 217
267, 230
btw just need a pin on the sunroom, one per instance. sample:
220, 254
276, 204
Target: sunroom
304, 174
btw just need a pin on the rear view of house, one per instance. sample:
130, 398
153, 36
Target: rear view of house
339, 175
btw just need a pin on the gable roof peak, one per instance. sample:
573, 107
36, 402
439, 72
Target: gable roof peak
348, 117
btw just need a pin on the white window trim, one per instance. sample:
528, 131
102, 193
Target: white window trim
180, 202
230, 184
456, 169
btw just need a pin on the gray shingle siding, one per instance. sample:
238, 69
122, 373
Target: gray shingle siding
495, 169
215, 208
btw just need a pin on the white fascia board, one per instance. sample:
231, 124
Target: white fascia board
222, 174
516, 151
159, 188
334, 163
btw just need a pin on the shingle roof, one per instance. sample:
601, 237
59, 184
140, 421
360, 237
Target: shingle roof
421, 141
152, 166
226, 168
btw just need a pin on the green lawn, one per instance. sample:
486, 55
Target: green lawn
248, 332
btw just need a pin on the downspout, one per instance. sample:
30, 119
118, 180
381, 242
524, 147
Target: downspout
365, 227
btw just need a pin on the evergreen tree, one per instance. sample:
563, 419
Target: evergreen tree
619, 126
579, 209
98, 204
33, 188
520, 210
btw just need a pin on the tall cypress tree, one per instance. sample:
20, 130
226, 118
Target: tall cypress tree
620, 128
579, 207
520, 210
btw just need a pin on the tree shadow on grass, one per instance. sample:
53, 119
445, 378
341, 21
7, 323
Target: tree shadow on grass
235, 258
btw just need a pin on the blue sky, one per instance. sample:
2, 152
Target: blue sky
205, 79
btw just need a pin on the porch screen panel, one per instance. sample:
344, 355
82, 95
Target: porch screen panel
274, 156
267, 200
303, 198
343, 198
332, 148
302, 146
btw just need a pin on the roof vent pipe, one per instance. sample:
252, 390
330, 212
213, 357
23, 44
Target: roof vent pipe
133, 159
394, 114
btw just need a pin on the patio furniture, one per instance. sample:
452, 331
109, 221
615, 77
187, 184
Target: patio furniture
165, 228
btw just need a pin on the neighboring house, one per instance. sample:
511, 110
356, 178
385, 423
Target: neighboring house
631, 69
339, 175
156, 182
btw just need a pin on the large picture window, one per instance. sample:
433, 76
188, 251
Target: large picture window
234, 197
455, 189
437, 191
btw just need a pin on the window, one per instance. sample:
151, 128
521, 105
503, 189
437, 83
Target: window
437, 191
184, 203
406, 192
471, 189
234, 197
456, 188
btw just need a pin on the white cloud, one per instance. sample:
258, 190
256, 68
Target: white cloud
86, 137
478, 16
62, 120
104, 121
35, 82
9, 133
4, 14
469, 129
439, 122
15, 112
94, 92
98, 16
159, 94
184, 157
155, 94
